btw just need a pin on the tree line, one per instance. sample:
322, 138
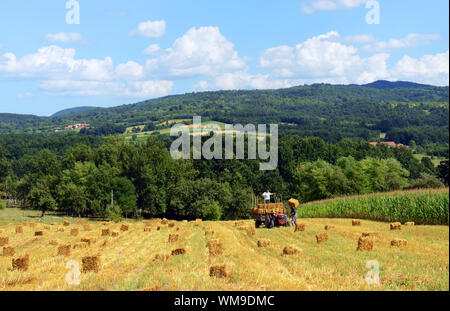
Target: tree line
92, 177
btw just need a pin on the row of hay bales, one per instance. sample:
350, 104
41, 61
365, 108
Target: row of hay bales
90, 263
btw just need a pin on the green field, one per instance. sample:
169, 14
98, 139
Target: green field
420, 206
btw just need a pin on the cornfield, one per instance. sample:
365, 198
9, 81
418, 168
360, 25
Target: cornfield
430, 207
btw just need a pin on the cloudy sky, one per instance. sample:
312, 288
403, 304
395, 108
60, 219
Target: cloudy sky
122, 52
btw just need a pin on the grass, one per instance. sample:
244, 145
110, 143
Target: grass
424, 206
127, 260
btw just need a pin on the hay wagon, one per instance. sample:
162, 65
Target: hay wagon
271, 214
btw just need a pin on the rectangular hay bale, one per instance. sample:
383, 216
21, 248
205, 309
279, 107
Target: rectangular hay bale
300, 227
365, 244
9, 251
173, 238
356, 223
21, 263
264, 243
321, 237
19, 229
74, 232
4, 241
220, 271
215, 247
396, 226
179, 251
64, 250
91, 264
399, 242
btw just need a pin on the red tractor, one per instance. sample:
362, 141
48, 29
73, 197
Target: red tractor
271, 214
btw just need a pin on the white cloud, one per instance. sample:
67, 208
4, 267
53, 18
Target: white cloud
324, 57
25, 95
242, 80
359, 39
138, 89
150, 29
410, 41
429, 69
202, 51
152, 49
63, 74
63, 37
313, 6
130, 71
56, 63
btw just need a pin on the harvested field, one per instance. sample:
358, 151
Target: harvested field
138, 260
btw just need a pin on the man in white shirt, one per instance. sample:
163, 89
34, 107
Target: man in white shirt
266, 195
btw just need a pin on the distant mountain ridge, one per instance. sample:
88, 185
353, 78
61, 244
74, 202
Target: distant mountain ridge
71, 110
384, 84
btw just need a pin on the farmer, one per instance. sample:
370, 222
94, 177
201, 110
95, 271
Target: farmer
294, 216
266, 195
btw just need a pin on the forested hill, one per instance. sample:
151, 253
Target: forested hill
405, 111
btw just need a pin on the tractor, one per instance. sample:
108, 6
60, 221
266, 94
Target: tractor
271, 214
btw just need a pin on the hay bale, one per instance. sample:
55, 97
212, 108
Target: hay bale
4, 241
293, 203
82, 222
365, 244
322, 237
89, 241
250, 231
264, 243
32, 225
64, 250
399, 242
115, 234
39, 233
329, 227
173, 238
90, 263
60, 230
9, 251
410, 223
19, 229
80, 245
184, 221
53, 242
179, 251
356, 223
106, 232
291, 250
21, 263
74, 232
369, 234
147, 229
215, 247
171, 224
221, 271
162, 257
66, 223
47, 228
209, 232
124, 227
87, 228
396, 226
164, 221
300, 227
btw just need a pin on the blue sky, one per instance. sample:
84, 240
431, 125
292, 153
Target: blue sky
128, 51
